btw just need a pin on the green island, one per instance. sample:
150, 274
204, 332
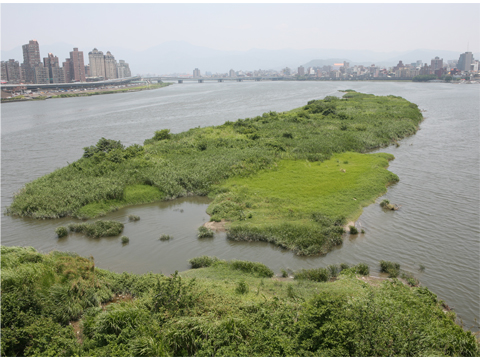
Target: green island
293, 179
61, 304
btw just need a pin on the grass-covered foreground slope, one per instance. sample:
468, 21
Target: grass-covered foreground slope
60, 304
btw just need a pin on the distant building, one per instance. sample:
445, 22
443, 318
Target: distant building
301, 71
110, 66
41, 75
67, 71
465, 60
123, 69
55, 72
12, 71
231, 73
31, 59
436, 64
77, 66
97, 63
196, 73
4, 71
287, 71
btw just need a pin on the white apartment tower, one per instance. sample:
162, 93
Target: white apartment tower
97, 63
110, 66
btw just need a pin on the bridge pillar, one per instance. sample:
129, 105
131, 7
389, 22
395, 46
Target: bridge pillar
200, 81
220, 80
180, 81
257, 79
239, 80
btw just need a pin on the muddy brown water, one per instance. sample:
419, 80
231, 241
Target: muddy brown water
437, 226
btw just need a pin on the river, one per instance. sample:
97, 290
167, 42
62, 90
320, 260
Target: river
438, 225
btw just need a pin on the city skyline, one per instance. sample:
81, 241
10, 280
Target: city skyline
374, 27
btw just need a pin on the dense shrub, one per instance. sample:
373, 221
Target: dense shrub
202, 261
204, 232
99, 228
61, 231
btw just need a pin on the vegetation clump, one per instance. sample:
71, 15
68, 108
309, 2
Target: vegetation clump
204, 232
391, 268
125, 239
353, 230
211, 312
133, 217
61, 231
248, 267
100, 228
165, 237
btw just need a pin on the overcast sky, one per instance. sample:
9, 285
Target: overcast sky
377, 27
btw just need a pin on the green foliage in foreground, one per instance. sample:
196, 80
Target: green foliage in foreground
99, 228
213, 311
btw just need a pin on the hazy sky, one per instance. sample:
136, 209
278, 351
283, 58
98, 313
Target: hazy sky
377, 27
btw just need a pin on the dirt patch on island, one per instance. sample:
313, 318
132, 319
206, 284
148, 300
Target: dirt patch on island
216, 226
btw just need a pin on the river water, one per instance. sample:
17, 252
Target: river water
438, 225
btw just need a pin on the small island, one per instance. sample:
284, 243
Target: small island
294, 179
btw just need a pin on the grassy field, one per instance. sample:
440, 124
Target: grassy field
290, 178
60, 304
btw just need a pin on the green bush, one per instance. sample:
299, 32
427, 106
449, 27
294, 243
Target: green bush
61, 231
251, 267
202, 261
362, 269
384, 203
165, 237
125, 239
100, 228
204, 232
133, 217
353, 230
392, 268
162, 135
318, 275
242, 287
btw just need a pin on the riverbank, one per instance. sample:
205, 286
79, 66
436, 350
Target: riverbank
302, 156
47, 94
70, 307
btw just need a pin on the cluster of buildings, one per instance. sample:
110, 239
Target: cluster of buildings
465, 65
73, 69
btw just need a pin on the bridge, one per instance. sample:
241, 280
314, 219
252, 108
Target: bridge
75, 85
180, 80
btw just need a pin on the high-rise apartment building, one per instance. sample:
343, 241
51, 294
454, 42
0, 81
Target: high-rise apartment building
77, 66
110, 66
4, 71
465, 60
97, 63
301, 71
196, 73
123, 69
67, 71
40, 75
436, 64
55, 72
31, 59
